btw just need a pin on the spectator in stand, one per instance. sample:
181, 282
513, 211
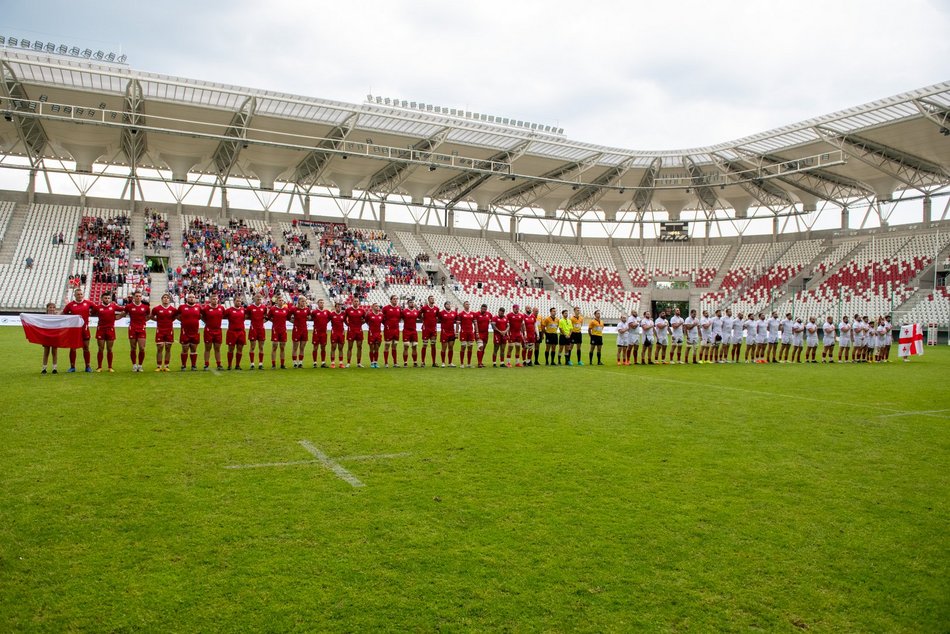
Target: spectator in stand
28, 262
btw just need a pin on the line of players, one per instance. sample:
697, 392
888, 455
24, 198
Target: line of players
515, 334
768, 339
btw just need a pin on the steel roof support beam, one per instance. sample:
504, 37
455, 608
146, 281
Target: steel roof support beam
457, 188
226, 154
819, 183
526, 194
133, 142
707, 197
910, 170
644, 195
766, 194
936, 113
388, 179
311, 168
31, 131
591, 194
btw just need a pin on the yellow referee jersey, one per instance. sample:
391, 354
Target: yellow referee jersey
576, 323
549, 324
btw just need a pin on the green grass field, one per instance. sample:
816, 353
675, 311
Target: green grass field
670, 498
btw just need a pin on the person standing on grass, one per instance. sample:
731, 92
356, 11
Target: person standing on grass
429, 313
798, 331
237, 335
321, 319
844, 340
138, 314
535, 315
299, 314
530, 335
596, 331
772, 325
737, 325
337, 334
828, 341
107, 311
189, 316
410, 335
785, 328
277, 314
715, 337
516, 332
392, 314
81, 307
500, 345
212, 314
858, 327
164, 317
50, 351
649, 338
448, 319
257, 313
676, 337
661, 326
483, 319
466, 321
564, 337
888, 339
549, 326
811, 340
577, 322
725, 348
691, 326
622, 345
374, 335
355, 316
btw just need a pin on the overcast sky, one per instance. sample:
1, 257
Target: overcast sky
638, 75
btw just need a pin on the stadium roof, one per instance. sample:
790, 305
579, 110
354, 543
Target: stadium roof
105, 116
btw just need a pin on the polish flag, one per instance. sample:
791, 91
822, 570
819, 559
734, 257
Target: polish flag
911, 341
59, 331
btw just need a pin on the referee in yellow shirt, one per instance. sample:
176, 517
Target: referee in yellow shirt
549, 327
596, 331
577, 322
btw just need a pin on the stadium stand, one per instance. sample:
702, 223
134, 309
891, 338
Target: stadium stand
296, 240
763, 288
157, 232
6, 213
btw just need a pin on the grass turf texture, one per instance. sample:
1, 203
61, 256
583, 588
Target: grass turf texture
598, 498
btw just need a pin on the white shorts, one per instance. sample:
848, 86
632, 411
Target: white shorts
760, 339
829, 341
813, 343
859, 341
786, 339
692, 341
796, 341
771, 339
844, 341
677, 340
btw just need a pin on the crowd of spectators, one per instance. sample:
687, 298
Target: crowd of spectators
157, 235
104, 237
297, 243
231, 261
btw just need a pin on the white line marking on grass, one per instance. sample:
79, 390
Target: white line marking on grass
332, 465
379, 456
823, 401
929, 412
271, 464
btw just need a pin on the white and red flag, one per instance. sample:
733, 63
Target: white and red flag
59, 331
911, 341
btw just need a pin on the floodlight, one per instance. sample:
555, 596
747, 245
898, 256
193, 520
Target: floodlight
3, 41
87, 53
121, 59
100, 54
38, 46
63, 49
74, 51
25, 43
50, 48
432, 168
110, 57
12, 41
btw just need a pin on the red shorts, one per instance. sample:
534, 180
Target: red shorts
165, 336
515, 337
237, 337
105, 334
278, 336
500, 339
447, 336
212, 337
391, 334
85, 335
410, 336
189, 338
137, 333
337, 337
428, 334
319, 338
466, 336
257, 334
483, 337
299, 335
376, 338
354, 335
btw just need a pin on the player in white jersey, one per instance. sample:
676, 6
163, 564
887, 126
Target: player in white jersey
844, 340
705, 337
649, 338
662, 329
785, 332
676, 337
888, 339
715, 335
772, 324
761, 338
691, 325
828, 340
622, 344
633, 337
811, 340
859, 328
736, 340
870, 339
749, 325
798, 331
726, 348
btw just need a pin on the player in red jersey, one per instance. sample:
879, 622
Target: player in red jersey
213, 314
410, 335
257, 313
237, 336
392, 313
500, 326
81, 307
299, 335
355, 315
483, 319
278, 314
337, 334
466, 321
321, 318
530, 334
138, 314
448, 319
515, 335
107, 312
189, 316
429, 313
164, 316
374, 323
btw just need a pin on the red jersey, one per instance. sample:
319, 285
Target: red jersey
320, 319
189, 315
375, 322
278, 317
517, 321
483, 320
299, 317
531, 326
212, 316
257, 313
354, 318
82, 309
430, 316
499, 323
410, 318
164, 317
138, 314
466, 322
337, 319
235, 318
448, 318
106, 313
391, 316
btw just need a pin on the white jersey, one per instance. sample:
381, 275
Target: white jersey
647, 326
705, 325
858, 329
844, 338
787, 330
622, 332
811, 332
749, 330
716, 328
888, 333
662, 330
737, 330
761, 331
633, 323
772, 325
797, 331
692, 329
676, 328
829, 332
727, 329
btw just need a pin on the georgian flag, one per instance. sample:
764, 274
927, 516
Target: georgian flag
911, 341
59, 331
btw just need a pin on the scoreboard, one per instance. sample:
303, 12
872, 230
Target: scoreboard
674, 231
